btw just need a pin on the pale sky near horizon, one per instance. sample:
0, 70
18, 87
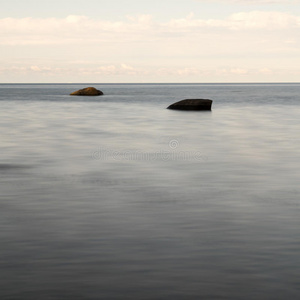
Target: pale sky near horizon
150, 41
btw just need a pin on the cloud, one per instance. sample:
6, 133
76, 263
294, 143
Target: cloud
132, 73
106, 70
72, 29
244, 44
124, 69
82, 29
239, 71
241, 21
264, 20
253, 2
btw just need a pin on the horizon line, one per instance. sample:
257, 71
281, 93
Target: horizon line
246, 82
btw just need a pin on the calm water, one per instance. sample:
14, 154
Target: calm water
116, 197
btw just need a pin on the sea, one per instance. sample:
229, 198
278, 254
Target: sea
116, 197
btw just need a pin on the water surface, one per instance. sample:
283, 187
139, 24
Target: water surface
116, 197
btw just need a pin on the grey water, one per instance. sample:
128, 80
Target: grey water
116, 197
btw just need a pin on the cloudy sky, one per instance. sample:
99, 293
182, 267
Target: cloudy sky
150, 41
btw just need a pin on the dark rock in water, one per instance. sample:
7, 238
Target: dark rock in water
89, 91
192, 104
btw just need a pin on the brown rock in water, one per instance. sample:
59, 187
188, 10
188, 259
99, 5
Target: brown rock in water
192, 104
89, 91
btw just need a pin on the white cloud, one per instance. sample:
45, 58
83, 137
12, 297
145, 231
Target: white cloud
253, 2
124, 69
244, 44
70, 30
82, 29
241, 21
239, 71
117, 73
35, 68
264, 20
265, 71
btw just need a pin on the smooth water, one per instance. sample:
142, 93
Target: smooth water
116, 197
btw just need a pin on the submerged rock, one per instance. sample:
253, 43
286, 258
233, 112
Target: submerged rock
192, 104
89, 91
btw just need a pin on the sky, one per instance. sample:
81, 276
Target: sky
136, 41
